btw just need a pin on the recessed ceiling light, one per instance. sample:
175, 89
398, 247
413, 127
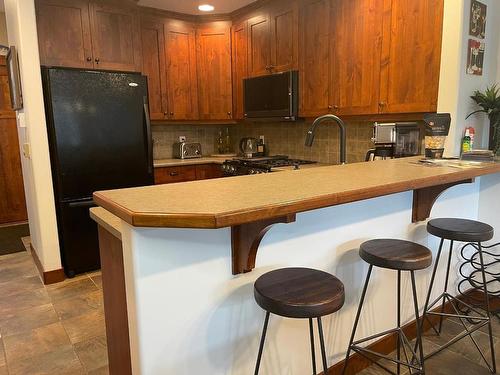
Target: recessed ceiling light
206, 8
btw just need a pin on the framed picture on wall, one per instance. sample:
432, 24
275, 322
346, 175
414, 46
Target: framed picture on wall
475, 57
477, 23
16, 96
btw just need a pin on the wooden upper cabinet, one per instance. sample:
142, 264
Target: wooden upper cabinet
259, 45
115, 37
64, 33
182, 86
154, 66
240, 66
411, 58
284, 29
314, 45
213, 41
356, 46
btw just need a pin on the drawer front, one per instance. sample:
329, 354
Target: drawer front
208, 171
168, 175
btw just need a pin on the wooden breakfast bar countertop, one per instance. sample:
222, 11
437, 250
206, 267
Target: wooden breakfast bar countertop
238, 200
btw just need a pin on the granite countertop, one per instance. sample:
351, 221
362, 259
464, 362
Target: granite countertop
243, 199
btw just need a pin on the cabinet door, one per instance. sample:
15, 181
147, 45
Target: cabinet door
208, 171
284, 36
410, 78
213, 42
115, 38
154, 67
314, 30
12, 202
259, 45
64, 33
356, 47
240, 67
181, 70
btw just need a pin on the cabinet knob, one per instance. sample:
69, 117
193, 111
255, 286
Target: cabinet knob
382, 104
173, 174
229, 113
171, 113
330, 107
97, 60
335, 107
89, 59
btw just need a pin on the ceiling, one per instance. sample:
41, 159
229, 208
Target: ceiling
191, 6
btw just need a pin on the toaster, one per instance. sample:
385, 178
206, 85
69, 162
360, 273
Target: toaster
187, 150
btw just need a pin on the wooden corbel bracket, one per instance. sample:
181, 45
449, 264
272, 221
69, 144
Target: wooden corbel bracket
245, 241
424, 199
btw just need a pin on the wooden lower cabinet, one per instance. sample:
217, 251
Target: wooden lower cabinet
169, 175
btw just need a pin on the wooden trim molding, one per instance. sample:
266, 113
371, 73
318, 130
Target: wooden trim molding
48, 277
245, 241
115, 303
424, 199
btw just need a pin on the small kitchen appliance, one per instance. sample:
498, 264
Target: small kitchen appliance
187, 150
395, 140
240, 167
249, 148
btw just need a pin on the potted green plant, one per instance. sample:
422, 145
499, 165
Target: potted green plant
489, 101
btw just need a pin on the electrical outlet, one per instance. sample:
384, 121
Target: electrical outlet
182, 138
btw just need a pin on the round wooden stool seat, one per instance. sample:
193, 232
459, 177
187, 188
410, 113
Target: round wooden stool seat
462, 230
396, 254
299, 293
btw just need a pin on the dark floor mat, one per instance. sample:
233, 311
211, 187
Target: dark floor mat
10, 238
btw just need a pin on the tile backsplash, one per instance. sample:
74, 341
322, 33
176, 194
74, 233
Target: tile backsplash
286, 138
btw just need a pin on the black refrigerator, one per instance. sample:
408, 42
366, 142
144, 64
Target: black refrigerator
99, 139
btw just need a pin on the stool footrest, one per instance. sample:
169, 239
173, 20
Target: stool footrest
408, 349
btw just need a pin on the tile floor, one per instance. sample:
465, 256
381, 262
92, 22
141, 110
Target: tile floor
59, 329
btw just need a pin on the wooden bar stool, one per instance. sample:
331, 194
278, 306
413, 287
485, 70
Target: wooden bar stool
401, 256
461, 230
300, 293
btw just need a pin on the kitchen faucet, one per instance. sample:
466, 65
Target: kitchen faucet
340, 123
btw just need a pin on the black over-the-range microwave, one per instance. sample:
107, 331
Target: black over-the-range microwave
274, 96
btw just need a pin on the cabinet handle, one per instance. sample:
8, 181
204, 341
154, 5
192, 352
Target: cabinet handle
89, 59
97, 60
173, 174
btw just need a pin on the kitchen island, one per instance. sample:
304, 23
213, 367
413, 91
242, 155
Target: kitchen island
182, 246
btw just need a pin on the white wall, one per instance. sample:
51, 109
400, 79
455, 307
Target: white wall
456, 86
21, 27
4, 40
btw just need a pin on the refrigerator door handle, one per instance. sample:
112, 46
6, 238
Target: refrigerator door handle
85, 203
149, 140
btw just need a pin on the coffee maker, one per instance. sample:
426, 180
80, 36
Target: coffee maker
395, 140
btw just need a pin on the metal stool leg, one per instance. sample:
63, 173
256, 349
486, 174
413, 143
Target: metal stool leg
445, 286
262, 340
313, 352
322, 343
419, 332
429, 292
487, 306
356, 321
399, 322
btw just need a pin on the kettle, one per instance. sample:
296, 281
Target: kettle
249, 147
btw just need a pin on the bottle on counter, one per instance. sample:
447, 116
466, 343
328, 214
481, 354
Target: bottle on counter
227, 143
466, 141
219, 144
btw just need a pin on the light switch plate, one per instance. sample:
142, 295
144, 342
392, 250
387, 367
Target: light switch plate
21, 119
182, 138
